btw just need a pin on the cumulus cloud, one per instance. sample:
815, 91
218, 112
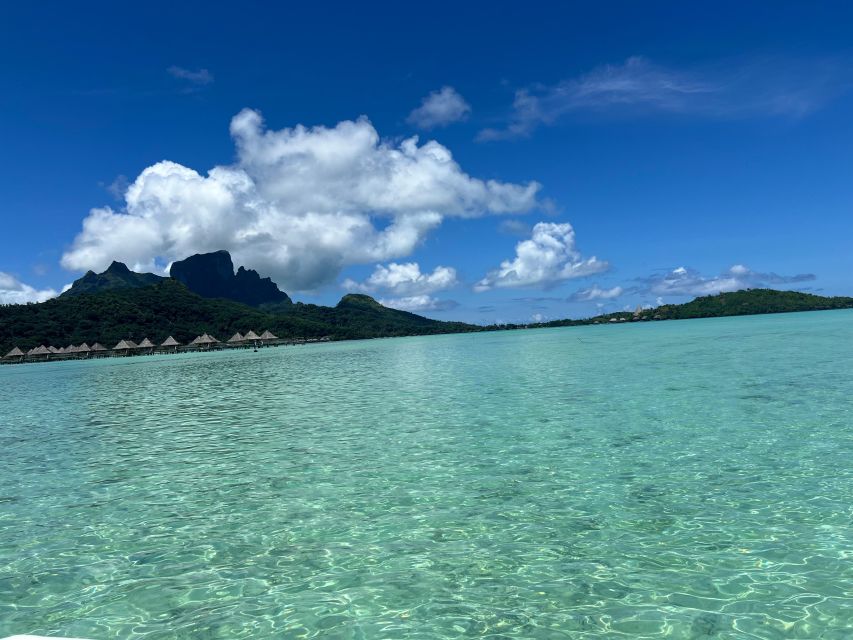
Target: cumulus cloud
197, 78
689, 282
731, 90
439, 109
13, 291
298, 204
405, 280
419, 303
596, 293
547, 258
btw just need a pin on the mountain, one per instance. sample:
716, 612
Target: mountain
748, 302
170, 308
211, 275
117, 276
735, 303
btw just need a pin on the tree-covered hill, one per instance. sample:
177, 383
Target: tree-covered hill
734, 303
117, 276
748, 302
169, 308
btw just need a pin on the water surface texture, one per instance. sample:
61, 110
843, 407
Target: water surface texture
684, 479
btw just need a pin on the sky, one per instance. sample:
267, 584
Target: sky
486, 162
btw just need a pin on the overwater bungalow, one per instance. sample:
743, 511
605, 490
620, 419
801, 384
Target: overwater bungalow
146, 345
251, 337
15, 354
84, 350
236, 339
170, 344
54, 350
267, 336
40, 352
204, 342
124, 347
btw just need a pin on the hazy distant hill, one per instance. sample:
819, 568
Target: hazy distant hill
169, 308
749, 302
735, 303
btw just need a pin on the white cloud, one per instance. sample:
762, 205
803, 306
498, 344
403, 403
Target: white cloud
298, 204
405, 280
439, 109
199, 78
688, 282
547, 258
596, 293
13, 291
732, 89
419, 303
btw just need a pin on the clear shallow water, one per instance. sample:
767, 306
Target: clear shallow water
681, 480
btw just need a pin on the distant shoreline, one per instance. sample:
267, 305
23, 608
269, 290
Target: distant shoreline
224, 346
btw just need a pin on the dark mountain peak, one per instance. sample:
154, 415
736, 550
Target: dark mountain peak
212, 275
117, 268
116, 276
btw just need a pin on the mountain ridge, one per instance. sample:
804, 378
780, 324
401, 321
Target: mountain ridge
210, 275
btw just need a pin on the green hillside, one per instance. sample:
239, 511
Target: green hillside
169, 308
736, 303
748, 302
117, 276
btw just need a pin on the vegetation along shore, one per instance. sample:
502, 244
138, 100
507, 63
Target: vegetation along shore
205, 297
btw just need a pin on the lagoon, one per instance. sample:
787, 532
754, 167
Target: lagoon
689, 479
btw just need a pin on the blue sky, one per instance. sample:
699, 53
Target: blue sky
570, 158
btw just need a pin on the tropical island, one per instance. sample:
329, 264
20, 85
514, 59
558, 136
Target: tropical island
205, 296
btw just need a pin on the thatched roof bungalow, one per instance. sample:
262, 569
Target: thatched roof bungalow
267, 335
204, 341
146, 344
15, 353
251, 336
236, 338
98, 347
124, 346
171, 343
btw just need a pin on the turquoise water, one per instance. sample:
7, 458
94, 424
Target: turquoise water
659, 480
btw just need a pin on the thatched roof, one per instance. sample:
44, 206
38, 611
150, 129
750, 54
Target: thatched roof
204, 339
170, 342
15, 353
83, 348
266, 335
98, 347
70, 348
236, 338
41, 351
124, 345
252, 336
146, 344
53, 349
